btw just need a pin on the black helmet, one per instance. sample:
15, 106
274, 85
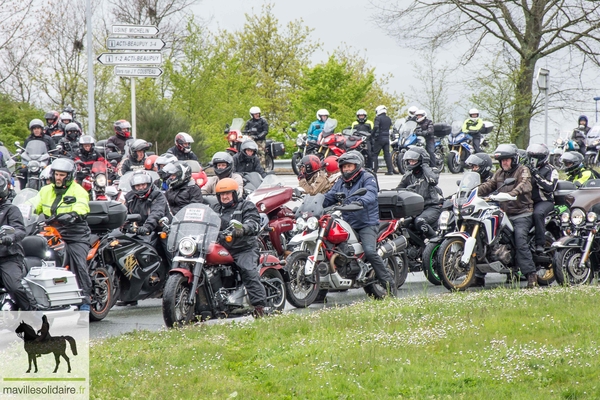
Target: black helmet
415, 153
178, 174
248, 145
62, 165
538, 154
51, 118
138, 178
482, 161
222, 157
351, 157
137, 145
507, 151
4, 189
572, 162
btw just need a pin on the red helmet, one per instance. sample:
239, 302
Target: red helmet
149, 162
122, 128
311, 164
331, 164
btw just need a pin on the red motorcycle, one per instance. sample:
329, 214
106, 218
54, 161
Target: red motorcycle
198, 174
95, 179
337, 143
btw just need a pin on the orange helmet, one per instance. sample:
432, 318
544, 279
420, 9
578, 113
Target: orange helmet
331, 164
226, 185
149, 163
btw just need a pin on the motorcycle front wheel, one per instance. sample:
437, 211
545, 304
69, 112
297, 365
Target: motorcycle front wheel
400, 163
275, 289
567, 270
377, 290
395, 164
301, 290
454, 165
454, 275
176, 311
295, 160
102, 294
269, 163
431, 263
439, 159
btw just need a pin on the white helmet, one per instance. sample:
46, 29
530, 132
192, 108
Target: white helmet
322, 112
420, 114
361, 112
254, 110
380, 110
412, 110
65, 116
473, 111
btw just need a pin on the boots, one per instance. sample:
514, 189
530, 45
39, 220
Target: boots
531, 280
259, 312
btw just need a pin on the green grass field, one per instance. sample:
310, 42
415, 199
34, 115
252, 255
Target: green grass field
491, 344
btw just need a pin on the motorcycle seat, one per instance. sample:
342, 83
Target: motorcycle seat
383, 225
93, 238
351, 141
35, 246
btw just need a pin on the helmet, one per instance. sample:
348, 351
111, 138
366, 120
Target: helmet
311, 164
163, 160
473, 111
415, 153
34, 123
182, 141
248, 145
66, 116
523, 159
583, 117
351, 157
181, 171
572, 162
412, 110
149, 162
359, 113
137, 145
506, 151
86, 139
140, 177
254, 110
226, 185
4, 188
122, 128
420, 114
51, 116
222, 157
331, 164
380, 110
70, 110
538, 154
482, 161
72, 131
322, 112
62, 165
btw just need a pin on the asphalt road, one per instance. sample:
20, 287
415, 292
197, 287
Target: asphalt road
148, 314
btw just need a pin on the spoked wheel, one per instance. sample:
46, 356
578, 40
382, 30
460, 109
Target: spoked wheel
567, 270
454, 165
453, 274
269, 163
439, 160
378, 290
295, 160
431, 263
102, 294
589, 160
176, 311
275, 288
395, 155
301, 290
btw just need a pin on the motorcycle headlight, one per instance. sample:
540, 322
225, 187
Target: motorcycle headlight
312, 223
187, 247
33, 166
444, 218
101, 180
592, 217
262, 207
565, 217
299, 141
300, 224
577, 216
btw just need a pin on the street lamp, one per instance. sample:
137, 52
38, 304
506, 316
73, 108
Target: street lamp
542, 78
596, 100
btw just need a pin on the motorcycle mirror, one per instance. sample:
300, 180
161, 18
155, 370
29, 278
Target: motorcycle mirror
360, 192
69, 200
236, 224
17, 143
509, 181
7, 230
458, 182
133, 218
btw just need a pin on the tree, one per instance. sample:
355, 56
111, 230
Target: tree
14, 120
530, 30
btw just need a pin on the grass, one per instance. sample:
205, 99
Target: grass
491, 344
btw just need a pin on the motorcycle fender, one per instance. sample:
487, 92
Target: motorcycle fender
185, 272
301, 237
469, 247
567, 242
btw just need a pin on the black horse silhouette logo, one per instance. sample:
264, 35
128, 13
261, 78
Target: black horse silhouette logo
36, 345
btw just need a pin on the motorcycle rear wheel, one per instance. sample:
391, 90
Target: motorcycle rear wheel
102, 294
439, 159
276, 280
402, 262
455, 277
431, 263
395, 155
295, 160
567, 270
400, 160
175, 310
269, 163
454, 165
377, 290
301, 291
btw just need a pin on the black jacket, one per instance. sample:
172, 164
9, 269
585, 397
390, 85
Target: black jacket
70, 148
152, 208
543, 183
44, 138
181, 156
131, 164
262, 128
423, 181
381, 127
11, 215
184, 195
245, 212
243, 163
117, 141
425, 128
89, 158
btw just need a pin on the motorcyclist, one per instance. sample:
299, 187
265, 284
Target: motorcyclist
579, 134
36, 127
545, 179
66, 201
137, 156
52, 122
11, 188
411, 113
576, 171
315, 129
332, 168
425, 129
182, 188
312, 178
258, 129
423, 180
247, 159
518, 211
244, 247
122, 130
381, 139
65, 119
11, 252
183, 147
70, 142
365, 222
362, 124
161, 161
87, 154
222, 164
72, 111
473, 126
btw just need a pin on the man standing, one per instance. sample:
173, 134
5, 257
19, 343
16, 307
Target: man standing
258, 128
381, 139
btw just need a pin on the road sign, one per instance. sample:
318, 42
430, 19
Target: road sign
134, 44
142, 72
130, 58
135, 30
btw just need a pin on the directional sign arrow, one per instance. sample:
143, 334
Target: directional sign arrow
135, 30
130, 58
134, 44
143, 72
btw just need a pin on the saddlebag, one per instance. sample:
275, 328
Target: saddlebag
441, 130
402, 204
52, 286
277, 148
106, 215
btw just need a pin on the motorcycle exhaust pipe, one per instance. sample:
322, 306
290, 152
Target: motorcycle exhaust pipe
392, 247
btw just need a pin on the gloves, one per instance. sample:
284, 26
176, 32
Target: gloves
66, 219
143, 230
238, 232
8, 240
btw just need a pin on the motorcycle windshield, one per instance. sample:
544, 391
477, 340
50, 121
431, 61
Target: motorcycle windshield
408, 128
236, 124
27, 200
270, 181
456, 127
593, 136
398, 125
311, 207
197, 221
469, 182
99, 167
125, 180
35, 148
329, 127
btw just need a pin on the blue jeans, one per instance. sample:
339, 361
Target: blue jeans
368, 238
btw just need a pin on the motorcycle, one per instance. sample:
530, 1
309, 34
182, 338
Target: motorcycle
35, 157
305, 147
409, 135
460, 145
395, 143
485, 240
94, 180
329, 256
592, 142
331, 143
203, 281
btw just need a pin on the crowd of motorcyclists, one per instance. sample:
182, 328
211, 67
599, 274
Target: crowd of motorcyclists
65, 203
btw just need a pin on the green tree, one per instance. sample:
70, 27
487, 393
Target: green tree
14, 120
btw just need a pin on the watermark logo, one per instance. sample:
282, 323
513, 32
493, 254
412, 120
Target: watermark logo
45, 355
